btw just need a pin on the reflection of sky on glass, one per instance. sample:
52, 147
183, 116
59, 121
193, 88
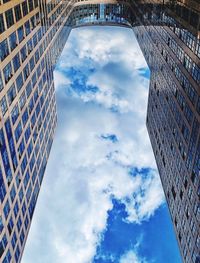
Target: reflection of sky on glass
101, 199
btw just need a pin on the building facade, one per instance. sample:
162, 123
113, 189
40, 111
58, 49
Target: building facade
169, 37
32, 36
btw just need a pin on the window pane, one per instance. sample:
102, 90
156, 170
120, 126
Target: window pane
13, 41
9, 18
2, 26
18, 13
4, 50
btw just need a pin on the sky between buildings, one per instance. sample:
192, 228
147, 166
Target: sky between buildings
101, 200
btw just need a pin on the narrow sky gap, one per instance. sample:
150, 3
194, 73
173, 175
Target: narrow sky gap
101, 176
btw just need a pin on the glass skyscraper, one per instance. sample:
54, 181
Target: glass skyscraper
169, 37
32, 36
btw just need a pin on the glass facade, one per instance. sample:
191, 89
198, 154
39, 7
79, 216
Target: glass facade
32, 36
169, 38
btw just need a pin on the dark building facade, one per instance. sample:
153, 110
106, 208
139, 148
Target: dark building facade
169, 37
32, 36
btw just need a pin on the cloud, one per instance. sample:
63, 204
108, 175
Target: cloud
101, 136
146, 199
131, 257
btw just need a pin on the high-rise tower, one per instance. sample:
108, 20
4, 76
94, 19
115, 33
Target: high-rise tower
32, 36
169, 36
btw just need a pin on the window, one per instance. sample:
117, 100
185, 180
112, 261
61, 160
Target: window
16, 209
27, 133
11, 94
22, 100
25, 117
19, 82
38, 71
23, 53
4, 106
30, 149
1, 82
16, 62
3, 245
37, 56
21, 149
198, 105
13, 41
34, 79
14, 240
27, 27
31, 165
24, 164
6, 209
36, 3
18, 131
30, 46
18, 13
32, 63
7, 258
23, 208
12, 193
9, 18
196, 72
26, 179
17, 254
26, 222
15, 113
25, 8
19, 223
22, 236
2, 26
26, 72
33, 22
10, 225
2, 192
30, 5
4, 49
7, 71
197, 50
20, 32
35, 41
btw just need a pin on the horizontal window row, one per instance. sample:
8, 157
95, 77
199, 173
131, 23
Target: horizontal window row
13, 15
9, 44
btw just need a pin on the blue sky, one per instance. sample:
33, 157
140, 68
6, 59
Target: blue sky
101, 200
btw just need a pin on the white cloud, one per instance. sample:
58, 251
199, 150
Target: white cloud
131, 257
84, 171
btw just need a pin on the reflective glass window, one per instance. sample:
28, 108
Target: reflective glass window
27, 27
16, 62
20, 32
9, 18
18, 13
19, 82
25, 8
2, 26
13, 41
4, 49
11, 94
4, 106
1, 82
7, 72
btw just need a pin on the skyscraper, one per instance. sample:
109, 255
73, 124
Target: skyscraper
170, 40
32, 36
